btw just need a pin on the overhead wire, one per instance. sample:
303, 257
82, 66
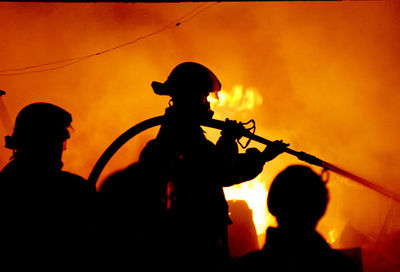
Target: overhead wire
43, 64
70, 61
197, 13
47, 69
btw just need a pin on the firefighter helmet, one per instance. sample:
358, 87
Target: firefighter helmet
188, 76
38, 122
298, 194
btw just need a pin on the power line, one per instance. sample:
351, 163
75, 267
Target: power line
39, 65
197, 13
70, 61
49, 69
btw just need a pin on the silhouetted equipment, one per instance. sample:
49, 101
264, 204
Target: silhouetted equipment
218, 124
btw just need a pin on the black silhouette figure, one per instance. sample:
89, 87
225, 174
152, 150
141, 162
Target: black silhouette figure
45, 211
298, 199
171, 202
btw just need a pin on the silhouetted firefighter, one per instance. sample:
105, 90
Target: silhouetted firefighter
179, 212
44, 210
298, 199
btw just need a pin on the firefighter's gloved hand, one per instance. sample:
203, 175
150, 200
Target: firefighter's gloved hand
273, 150
254, 163
232, 129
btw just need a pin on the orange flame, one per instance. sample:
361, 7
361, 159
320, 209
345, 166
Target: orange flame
255, 194
243, 100
239, 100
239, 103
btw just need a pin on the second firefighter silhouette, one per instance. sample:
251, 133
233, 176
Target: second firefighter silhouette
46, 213
180, 176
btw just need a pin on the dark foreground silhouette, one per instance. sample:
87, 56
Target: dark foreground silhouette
298, 199
167, 211
45, 212
169, 207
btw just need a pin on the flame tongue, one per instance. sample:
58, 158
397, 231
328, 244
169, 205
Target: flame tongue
239, 100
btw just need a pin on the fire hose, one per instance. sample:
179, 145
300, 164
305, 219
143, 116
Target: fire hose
218, 124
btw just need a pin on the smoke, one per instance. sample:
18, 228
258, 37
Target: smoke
327, 73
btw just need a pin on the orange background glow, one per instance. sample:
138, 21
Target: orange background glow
325, 77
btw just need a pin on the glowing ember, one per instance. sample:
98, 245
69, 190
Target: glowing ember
332, 237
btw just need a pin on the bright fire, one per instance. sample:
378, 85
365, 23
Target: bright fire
241, 100
240, 103
336, 98
332, 236
255, 194
237, 100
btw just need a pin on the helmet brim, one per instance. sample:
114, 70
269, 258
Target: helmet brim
188, 76
160, 88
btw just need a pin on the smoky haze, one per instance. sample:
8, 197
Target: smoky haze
327, 73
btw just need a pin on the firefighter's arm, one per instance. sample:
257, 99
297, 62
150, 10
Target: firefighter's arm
249, 165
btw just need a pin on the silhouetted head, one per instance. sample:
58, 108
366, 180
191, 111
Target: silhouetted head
188, 85
40, 129
297, 198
